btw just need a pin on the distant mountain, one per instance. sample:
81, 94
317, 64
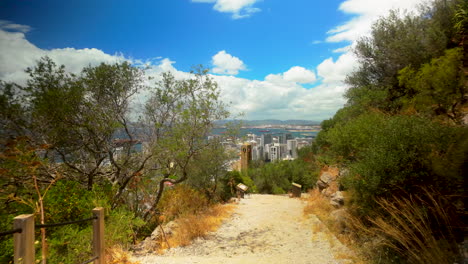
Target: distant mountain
267, 122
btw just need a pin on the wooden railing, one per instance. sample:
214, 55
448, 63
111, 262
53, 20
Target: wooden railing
23, 237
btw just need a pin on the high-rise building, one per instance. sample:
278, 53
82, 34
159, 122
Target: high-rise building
266, 152
257, 153
292, 148
265, 139
275, 153
284, 137
283, 150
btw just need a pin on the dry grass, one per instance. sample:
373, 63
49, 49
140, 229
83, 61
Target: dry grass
118, 255
407, 226
192, 226
318, 205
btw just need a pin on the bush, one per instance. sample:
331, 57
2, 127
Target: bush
277, 177
398, 156
67, 201
230, 180
73, 244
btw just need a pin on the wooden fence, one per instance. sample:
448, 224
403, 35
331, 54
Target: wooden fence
23, 237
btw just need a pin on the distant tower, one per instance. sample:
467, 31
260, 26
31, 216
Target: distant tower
246, 156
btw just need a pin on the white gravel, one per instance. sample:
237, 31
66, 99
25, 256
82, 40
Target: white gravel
263, 229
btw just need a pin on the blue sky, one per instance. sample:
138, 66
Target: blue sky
271, 58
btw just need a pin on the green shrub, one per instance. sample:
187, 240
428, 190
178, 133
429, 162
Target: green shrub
67, 201
73, 243
398, 157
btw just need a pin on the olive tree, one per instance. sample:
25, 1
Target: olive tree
180, 115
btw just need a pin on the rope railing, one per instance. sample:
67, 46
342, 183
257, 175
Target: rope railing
11, 232
65, 223
24, 251
71, 223
90, 260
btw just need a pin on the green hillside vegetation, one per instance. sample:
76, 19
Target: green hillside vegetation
403, 136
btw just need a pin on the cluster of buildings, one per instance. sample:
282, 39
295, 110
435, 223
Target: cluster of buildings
266, 147
269, 147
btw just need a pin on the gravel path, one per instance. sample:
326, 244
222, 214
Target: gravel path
263, 229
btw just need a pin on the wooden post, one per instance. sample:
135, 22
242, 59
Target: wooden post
98, 235
24, 241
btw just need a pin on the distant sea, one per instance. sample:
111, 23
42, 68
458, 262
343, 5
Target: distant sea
273, 131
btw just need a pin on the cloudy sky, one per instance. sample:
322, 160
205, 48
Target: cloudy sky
273, 59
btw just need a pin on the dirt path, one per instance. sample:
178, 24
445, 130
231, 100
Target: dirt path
263, 229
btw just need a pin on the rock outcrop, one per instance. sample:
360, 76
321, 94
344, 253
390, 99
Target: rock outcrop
328, 184
159, 235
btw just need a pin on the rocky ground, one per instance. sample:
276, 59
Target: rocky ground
263, 229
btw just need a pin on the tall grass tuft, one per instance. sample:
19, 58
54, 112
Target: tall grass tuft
418, 227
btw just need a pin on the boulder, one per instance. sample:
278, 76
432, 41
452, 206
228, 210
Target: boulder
326, 177
321, 185
337, 199
168, 230
344, 172
340, 218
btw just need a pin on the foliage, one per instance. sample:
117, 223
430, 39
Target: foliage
20, 168
401, 158
71, 243
229, 182
439, 86
208, 168
67, 201
397, 41
277, 177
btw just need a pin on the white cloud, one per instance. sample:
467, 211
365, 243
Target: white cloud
295, 74
225, 63
300, 75
7, 25
334, 72
366, 12
281, 96
343, 49
238, 8
22, 54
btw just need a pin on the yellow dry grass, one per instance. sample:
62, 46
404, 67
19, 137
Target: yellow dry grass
327, 228
117, 255
318, 205
192, 226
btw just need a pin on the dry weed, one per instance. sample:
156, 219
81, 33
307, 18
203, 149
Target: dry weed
409, 229
318, 205
192, 226
118, 255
